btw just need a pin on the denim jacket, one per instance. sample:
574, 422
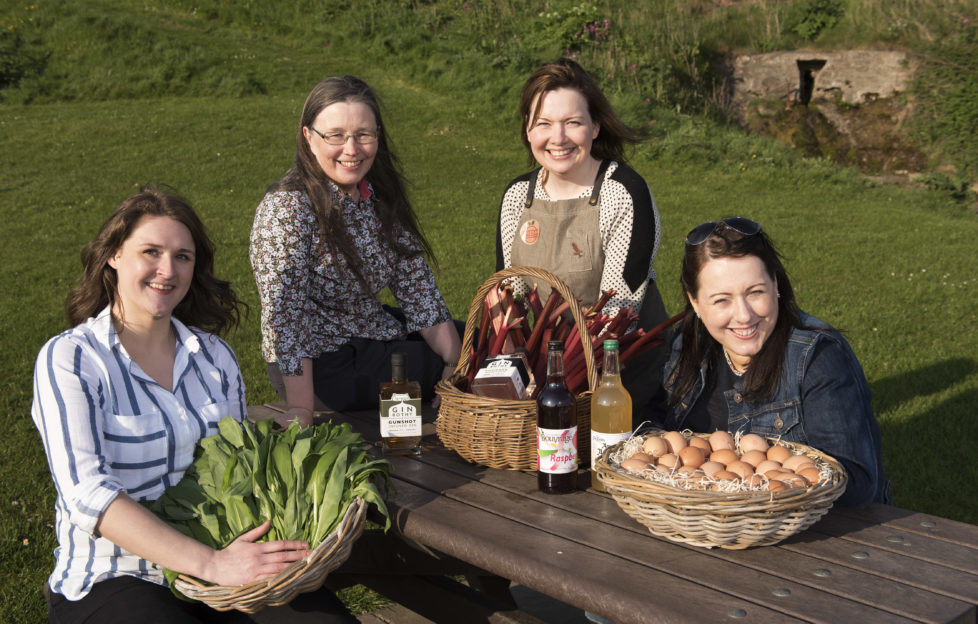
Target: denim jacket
822, 400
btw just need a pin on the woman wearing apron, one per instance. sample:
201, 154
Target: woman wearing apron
584, 215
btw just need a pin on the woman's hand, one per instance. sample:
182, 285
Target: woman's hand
303, 415
245, 561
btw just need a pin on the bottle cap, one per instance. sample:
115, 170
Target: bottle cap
398, 359
610, 345
555, 345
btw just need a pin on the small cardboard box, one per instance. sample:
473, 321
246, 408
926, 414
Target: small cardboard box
502, 377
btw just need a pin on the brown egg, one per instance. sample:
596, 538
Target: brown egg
711, 467
644, 457
796, 461
724, 456
777, 486
726, 475
670, 461
754, 458
778, 453
755, 480
741, 468
720, 440
692, 456
753, 442
663, 468
701, 443
690, 471
766, 465
655, 446
675, 440
795, 480
635, 465
775, 474
812, 474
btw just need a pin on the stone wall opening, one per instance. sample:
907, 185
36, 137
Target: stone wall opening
806, 82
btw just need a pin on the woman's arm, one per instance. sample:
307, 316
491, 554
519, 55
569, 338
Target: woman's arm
282, 258
128, 524
443, 340
837, 417
510, 211
300, 395
629, 221
71, 385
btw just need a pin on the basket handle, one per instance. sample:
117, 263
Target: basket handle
472, 323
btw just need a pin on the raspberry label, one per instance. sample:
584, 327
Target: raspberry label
557, 450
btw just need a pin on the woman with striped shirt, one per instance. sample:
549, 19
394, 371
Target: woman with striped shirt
121, 400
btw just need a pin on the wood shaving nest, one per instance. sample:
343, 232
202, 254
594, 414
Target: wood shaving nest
635, 444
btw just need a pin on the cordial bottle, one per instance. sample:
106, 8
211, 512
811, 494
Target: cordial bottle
400, 411
556, 428
611, 410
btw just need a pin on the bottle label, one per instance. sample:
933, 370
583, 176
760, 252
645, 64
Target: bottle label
557, 450
601, 441
400, 417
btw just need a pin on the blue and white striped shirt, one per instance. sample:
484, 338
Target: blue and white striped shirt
107, 427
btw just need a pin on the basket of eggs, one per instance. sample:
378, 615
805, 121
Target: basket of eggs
718, 490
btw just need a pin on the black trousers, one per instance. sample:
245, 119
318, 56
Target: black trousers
349, 379
127, 599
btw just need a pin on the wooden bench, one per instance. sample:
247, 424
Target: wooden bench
875, 564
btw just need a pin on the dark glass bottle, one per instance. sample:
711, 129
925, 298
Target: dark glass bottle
556, 428
400, 411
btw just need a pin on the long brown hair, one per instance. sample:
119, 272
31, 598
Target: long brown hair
567, 74
385, 176
210, 303
764, 372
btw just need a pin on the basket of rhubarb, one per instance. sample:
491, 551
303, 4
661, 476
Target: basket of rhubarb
501, 432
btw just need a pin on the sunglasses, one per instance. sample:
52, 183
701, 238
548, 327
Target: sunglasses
702, 231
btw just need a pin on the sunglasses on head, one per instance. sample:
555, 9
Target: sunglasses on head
702, 231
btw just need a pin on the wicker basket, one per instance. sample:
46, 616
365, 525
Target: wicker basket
717, 519
302, 576
501, 433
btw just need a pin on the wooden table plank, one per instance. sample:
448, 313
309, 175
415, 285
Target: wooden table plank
944, 581
896, 539
952, 531
616, 588
811, 577
811, 598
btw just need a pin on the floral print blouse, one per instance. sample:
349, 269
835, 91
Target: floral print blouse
312, 302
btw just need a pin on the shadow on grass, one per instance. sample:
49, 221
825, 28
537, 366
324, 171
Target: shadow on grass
890, 392
937, 441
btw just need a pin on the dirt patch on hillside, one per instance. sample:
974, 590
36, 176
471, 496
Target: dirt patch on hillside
870, 136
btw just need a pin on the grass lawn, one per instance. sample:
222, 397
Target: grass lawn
895, 268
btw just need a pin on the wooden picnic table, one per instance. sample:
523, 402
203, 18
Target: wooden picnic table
878, 564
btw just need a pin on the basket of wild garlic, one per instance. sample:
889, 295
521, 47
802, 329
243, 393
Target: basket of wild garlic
314, 484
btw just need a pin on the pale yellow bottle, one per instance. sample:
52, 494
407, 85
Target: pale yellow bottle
611, 410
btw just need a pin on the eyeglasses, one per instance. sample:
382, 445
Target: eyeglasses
340, 138
703, 231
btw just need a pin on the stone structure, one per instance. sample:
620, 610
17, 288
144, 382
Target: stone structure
841, 105
802, 76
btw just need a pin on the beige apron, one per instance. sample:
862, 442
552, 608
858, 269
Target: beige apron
563, 237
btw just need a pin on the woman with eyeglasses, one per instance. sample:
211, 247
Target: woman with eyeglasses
748, 360
327, 238
121, 400
584, 214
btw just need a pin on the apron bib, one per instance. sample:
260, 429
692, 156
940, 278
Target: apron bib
564, 238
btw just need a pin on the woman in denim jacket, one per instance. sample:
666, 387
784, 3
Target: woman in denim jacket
748, 360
